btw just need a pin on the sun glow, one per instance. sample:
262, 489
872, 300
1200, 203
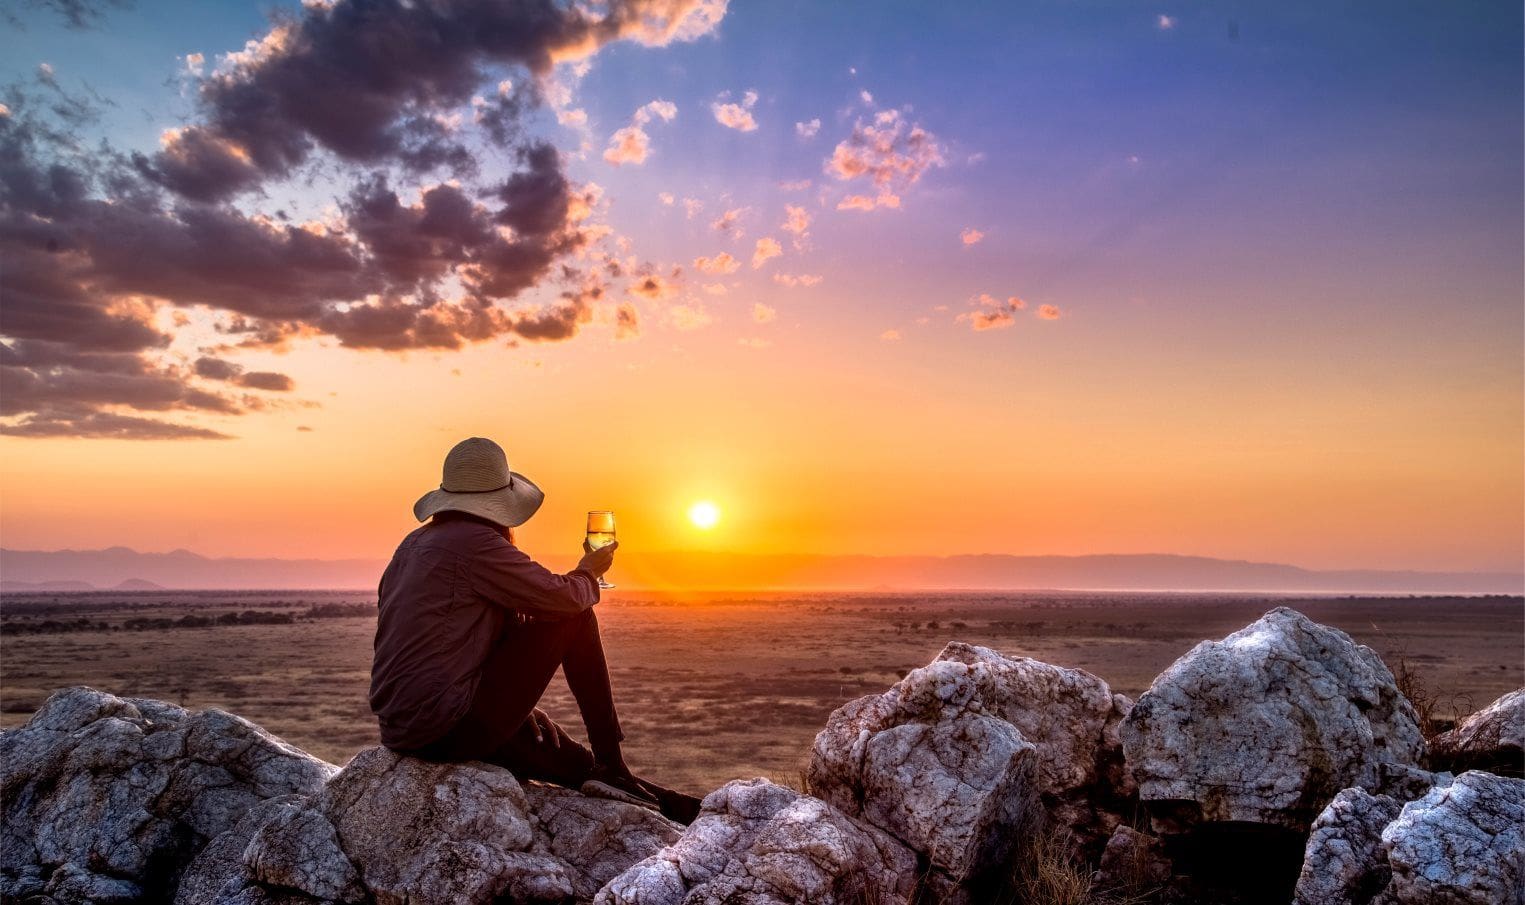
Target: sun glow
704, 514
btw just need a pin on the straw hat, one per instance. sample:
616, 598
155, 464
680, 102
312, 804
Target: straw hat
477, 480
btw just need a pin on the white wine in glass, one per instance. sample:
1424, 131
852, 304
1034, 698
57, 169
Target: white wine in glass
601, 534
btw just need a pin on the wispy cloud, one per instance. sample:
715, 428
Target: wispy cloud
797, 223
791, 280
719, 264
889, 153
729, 222
971, 236
807, 129
890, 336
632, 144
763, 314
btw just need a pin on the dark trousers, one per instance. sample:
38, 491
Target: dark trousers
497, 728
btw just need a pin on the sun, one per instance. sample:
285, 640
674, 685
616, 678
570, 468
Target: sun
704, 514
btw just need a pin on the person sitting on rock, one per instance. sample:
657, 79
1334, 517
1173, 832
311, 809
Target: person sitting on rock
471, 630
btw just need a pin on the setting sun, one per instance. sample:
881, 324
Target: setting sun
704, 514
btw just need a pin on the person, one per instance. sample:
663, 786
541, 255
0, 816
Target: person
471, 630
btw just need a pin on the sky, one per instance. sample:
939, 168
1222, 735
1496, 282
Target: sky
1224, 279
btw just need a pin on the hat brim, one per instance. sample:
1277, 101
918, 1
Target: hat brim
509, 506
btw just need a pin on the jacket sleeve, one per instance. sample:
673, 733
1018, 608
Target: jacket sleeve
503, 574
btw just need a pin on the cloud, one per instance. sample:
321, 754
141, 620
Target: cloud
691, 207
792, 280
763, 314
1049, 312
631, 144
971, 236
729, 222
797, 222
796, 185
627, 324
1164, 22
714, 288
736, 116
218, 369
888, 153
807, 129
424, 246
666, 198
79, 14
721, 263
890, 336
654, 287
767, 248
754, 342
688, 317
992, 313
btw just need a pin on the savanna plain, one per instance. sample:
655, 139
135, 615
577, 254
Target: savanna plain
711, 686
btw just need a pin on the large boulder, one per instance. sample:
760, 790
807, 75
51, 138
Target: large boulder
932, 762
109, 799
392, 829
1493, 739
1462, 843
1266, 727
763, 844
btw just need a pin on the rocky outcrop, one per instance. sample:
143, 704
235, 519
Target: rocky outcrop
1266, 726
1132, 861
108, 799
1493, 739
764, 844
930, 763
395, 829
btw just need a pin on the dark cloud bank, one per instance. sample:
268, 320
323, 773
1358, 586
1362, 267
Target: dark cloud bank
93, 241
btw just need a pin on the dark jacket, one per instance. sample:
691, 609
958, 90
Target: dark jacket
444, 599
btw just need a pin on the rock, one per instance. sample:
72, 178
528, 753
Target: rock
1345, 863
1266, 726
392, 829
1493, 739
598, 839
221, 861
931, 763
1131, 861
759, 843
1461, 843
110, 798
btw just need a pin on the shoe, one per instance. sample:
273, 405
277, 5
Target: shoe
617, 786
675, 806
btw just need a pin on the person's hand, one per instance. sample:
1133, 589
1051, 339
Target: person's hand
544, 727
597, 562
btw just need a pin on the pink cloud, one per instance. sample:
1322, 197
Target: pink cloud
890, 336
736, 116
971, 236
763, 314
721, 263
1049, 312
767, 248
729, 222
792, 280
889, 153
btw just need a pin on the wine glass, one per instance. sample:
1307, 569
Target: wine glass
601, 534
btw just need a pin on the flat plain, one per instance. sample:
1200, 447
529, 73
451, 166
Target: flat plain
713, 686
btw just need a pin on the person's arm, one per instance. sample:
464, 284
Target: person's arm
505, 575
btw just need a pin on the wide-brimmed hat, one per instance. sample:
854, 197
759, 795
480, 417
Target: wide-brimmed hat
477, 480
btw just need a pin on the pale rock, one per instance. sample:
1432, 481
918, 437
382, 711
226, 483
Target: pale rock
108, 795
1131, 860
1344, 862
759, 843
930, 763
596, 838
1492, 739
1266, 726
1462, 843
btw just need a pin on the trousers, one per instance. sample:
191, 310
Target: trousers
496, 727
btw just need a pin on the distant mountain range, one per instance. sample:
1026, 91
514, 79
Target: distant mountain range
119, 568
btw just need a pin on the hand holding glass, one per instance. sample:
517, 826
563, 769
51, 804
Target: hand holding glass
600, 534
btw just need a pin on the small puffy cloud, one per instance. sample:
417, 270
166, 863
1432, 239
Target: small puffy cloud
763, 314
736, 116
865, 97
688, 317
195, 63
971, 236
992, 313
1164, 22
890, 336
654, 287
791, 280
753, 342
627, 321
666, 198
767, 248
691, 207
631, 144
797, 222
729, 222
721, 263
807, 129
888, 153
1049, 312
